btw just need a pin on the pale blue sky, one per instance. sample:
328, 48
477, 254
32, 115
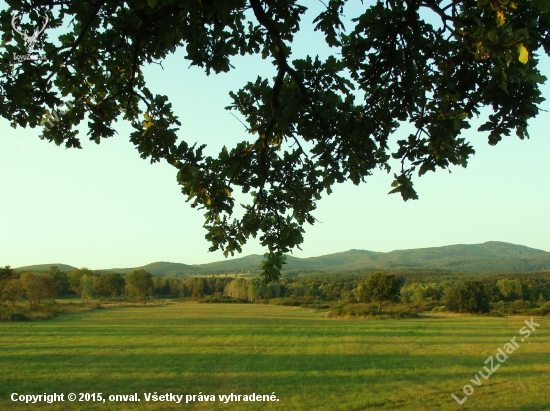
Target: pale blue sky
104, 206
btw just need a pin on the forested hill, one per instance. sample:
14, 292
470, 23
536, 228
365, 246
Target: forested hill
44, 267
489, 256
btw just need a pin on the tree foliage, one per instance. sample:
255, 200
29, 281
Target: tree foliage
510, 289
468, 297
87, 287
110, 284
251, 289
139, 283
37, 288
379, 287
12, 290
6, 275
75, 279
317, 122
60, 280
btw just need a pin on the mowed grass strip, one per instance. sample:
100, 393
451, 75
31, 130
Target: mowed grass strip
309, 361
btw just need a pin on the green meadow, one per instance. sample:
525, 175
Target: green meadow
309, 361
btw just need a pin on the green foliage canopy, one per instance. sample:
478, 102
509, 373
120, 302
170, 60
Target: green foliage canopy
60, 280
393, 66
379, 287
87, 287
139, 283
510, 289
6, 275
111, 284
75, 279
468, 297
37, 288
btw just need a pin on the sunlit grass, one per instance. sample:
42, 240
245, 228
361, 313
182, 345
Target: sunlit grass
309, 361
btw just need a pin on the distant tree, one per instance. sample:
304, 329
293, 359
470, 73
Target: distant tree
379, 287
139, 283
493, 291
468, 297
158, 288
96, 286
237, 289
75, 284
6, 274
75, 276
197, 286
511, 289
175, 287
13, 290
185, 291
166, 286
111, 284
87, 287
219, 285
37, 288
60, 280
432, 292
49, 287
412, 293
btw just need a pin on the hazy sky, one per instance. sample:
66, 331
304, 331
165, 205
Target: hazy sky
104, 207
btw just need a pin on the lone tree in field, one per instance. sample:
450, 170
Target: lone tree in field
316, 123
379, 287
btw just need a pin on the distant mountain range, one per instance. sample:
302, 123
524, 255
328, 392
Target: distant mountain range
490, 256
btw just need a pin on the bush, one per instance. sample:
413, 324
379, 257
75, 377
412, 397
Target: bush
518, 306
544, 309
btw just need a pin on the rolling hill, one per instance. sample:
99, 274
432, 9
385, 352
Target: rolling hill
45, 267
161, 269
486, 257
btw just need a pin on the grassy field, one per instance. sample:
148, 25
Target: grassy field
309, 361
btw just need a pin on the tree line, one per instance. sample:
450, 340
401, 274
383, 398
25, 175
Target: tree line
513, 293
36, 287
